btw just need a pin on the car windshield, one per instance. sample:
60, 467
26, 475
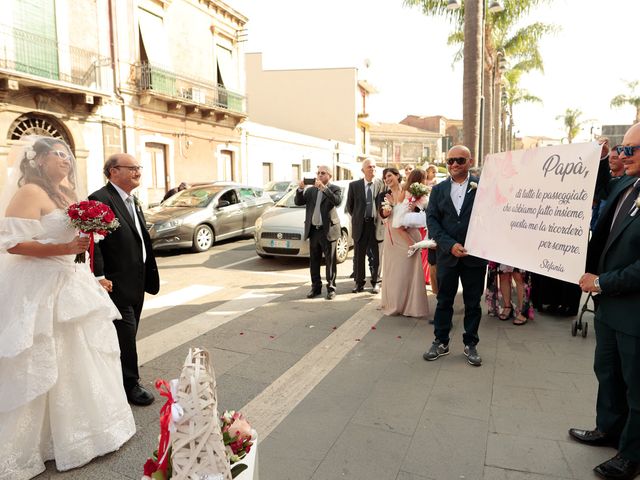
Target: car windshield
193, 197
288, 200
277, 186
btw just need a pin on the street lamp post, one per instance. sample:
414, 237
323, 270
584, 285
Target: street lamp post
473, 52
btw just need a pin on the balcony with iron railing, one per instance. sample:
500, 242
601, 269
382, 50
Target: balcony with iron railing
193, 93
43, 61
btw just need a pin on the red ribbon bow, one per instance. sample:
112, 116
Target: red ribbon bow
165, 419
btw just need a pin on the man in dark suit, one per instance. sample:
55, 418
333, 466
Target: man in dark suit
366, 225
322, 228
125, 265
448, 214
613, 273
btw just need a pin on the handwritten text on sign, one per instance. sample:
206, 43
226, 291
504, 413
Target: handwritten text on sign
533, 208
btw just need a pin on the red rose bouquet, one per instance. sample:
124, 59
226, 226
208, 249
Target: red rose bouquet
93, 219
238, 438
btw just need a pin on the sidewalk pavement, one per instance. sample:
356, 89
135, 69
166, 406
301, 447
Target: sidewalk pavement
385, 413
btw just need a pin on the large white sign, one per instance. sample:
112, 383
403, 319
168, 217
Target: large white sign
533, 207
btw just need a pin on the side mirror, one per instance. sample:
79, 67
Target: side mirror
223, 203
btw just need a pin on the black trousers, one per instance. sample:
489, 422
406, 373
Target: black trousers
617, 367
127, 328
319, 246
472, 279
366, 244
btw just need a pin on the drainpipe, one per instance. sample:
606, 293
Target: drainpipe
116, 77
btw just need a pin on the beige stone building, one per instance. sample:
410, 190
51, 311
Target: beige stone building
450, 130
395, 144
160, 79
326, 103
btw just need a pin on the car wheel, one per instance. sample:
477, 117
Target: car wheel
262, 255
202, 238
342, 248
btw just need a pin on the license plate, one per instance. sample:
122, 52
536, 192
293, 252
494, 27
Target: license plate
280, 243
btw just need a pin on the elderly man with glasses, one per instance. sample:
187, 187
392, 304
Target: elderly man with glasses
125, 265
613, 275
448, 214
321, 227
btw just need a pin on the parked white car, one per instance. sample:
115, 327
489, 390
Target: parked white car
278, 232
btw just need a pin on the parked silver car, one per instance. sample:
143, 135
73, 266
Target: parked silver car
279, 230
199, 216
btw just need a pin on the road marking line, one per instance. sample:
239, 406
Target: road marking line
238, 262
278, 400
179, 297
161, 342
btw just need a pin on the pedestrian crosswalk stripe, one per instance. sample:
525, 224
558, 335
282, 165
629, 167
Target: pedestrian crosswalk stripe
161, 342
179, 297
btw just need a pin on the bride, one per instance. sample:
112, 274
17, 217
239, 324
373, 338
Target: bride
61, 394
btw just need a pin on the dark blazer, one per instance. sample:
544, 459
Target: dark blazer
330, 221
356, 204
446, 227
615, 257
119, 256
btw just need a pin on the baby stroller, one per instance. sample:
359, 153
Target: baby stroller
578, 325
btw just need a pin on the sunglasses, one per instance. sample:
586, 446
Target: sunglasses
458, 160
137, 168
628, 150
60, 154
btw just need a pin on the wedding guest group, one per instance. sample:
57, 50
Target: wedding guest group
125, 265
613, 275
321, 227
448, 215
367, 230
62, 397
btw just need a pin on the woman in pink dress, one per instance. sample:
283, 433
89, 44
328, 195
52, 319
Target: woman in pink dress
403, 289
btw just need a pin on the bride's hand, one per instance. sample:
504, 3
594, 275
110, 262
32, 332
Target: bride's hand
389, 199
78, 245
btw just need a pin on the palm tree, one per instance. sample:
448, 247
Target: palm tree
513, 95
633, 98
469, 26
572, 122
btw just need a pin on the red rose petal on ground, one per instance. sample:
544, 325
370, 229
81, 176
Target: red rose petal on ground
373, 328
241, 333
334, 328
398, 336
271, 336
357, 339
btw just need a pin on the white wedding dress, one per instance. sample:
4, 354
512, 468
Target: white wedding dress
61, 393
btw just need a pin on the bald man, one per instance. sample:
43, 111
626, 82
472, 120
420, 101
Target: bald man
448, 214
613, 275
125, 265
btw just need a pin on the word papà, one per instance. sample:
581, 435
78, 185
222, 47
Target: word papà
554, 165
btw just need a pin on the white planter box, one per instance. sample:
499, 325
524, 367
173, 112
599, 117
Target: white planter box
251, 461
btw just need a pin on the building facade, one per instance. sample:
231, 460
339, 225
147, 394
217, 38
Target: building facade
162, 80
395, 144
329, 103
450, 130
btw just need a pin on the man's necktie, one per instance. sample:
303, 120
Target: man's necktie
131, 208
369, 210
316, 219
132, 211
625, 208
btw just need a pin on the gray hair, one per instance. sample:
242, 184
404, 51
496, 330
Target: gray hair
111, 162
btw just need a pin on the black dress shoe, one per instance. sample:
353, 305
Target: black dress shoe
593, 437
375, 289
314, 294
331, 295
618, 468
358, 289
139, 396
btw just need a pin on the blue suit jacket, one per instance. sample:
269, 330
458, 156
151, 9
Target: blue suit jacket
446, 227
615, 257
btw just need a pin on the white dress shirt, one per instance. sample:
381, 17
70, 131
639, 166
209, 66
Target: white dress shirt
458, 191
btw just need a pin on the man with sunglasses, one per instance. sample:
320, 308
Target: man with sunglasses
322, 228
613, 274
448, 214
125, 265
